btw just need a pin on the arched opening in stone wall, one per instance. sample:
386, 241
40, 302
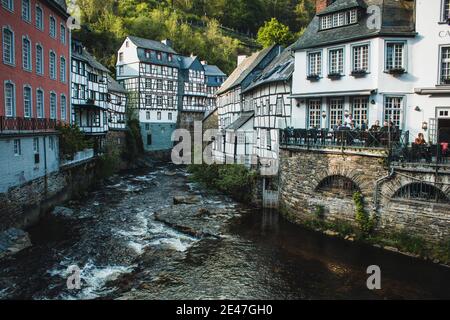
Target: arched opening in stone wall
338, 185
421, 191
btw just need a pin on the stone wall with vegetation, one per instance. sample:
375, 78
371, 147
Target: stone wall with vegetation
411, 226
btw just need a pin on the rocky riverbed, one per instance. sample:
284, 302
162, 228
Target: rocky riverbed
152, 234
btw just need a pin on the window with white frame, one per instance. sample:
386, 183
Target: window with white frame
62, 70
361, 58
336, 111
314, 63
360, 110
52, 27
39, 18
8, 46
169, 116
62, 34
52, 65
17, 148
8, 4
148, 83
27, 102
10, 99
445, 65
26, 10
39, 59
159, 102
158, 115
393, 110
52, 105
148, 100
40, 103
395, 55
339, 19
336, 62
26, 53
63, 107
35, 145
314, 112
445, 10
280, 106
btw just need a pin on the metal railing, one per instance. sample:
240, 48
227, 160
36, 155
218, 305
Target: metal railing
310, 138
21, 125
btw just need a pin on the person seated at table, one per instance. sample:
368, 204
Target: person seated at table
376, 127
420, 140
337, 126
385, 127
364, 125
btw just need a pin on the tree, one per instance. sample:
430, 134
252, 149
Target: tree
274, 32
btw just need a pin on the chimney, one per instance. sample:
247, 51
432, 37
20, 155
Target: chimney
204, 62
241, 59
167, 42
322, 4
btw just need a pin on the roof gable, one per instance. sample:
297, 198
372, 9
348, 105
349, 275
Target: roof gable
151, 44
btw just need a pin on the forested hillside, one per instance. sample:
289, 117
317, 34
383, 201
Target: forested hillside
215, 30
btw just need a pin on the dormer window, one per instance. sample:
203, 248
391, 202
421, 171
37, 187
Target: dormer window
170, 57
159, 56
338, 19
148, 54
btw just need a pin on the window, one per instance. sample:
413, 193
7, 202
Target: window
17, 148
314, 107
170, 85
36, 145
120, 56
395, 55
147, 127
169, 116
339, 19
8, 46
159, 84
26, 10
148, 83
148, 100
149, 139
62, 34
120, 70
279, 106
340, 184
39, 59
53, 27
63, 106
315, 63
393, 110
40, 103
446, 10
147, 115
445, 65
159, 56
159, 115
360, 106
361, 58
52, 105
10, 99
52, 65
62, 70
336, 61
336, 111
8, 4
27, 102
421, 191
39, 18
26, 54
170, 57
51, 142
159, 102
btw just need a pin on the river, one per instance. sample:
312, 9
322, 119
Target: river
124, 253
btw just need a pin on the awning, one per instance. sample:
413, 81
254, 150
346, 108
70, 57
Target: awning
334, 94
433, 91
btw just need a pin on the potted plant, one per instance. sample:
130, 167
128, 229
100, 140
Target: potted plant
396, 71
313, 77
359, 72
334, 76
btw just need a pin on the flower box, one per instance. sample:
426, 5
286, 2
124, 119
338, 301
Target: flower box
313, 77
396, 71
334, 76
359, 73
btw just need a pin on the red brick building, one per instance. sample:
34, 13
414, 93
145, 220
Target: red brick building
35, 60
34, 88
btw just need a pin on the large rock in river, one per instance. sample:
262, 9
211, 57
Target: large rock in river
12, 241
186, 200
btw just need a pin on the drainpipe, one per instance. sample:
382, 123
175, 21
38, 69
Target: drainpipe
377, 187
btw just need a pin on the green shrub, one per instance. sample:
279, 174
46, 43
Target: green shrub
365, 222
71, 141
108, 163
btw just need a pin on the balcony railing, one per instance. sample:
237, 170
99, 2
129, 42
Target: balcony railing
23, 125
343, 138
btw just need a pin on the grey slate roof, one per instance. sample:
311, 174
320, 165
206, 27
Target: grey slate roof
243, 70
342, 5
114, 86
186, 62
280, 69
397, 19
243, 119
151, 44
87, 57
213, 71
